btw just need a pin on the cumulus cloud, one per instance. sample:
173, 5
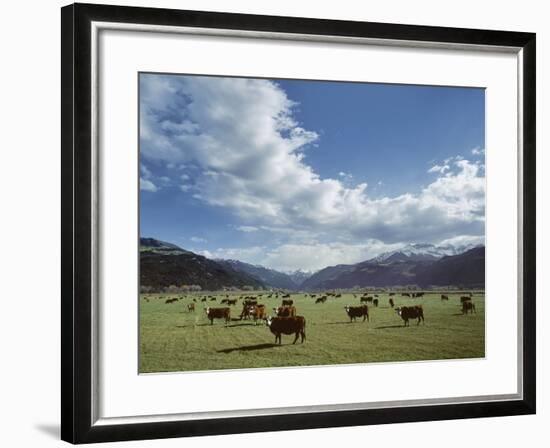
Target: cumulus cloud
242, 136
247, 229
147, 185
477, 151
197, 239
309, 257
146, 182
439, 169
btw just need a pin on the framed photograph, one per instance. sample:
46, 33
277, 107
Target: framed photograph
276, 223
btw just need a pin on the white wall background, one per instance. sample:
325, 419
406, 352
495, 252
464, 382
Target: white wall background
30, 209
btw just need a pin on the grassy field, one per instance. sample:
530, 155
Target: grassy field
173, 339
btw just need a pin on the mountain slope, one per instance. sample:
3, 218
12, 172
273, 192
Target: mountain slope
268, 277
163, 264
421, 252
299, 276
466, 270
463, 270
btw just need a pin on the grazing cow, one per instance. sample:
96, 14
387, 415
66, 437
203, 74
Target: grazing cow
411, 312
465, 299
257, 312
468, 306
376, 295
190, 307
375, 302
213, 299
391, 302
363, 300
444, 297
194, 300
357, 311
253, 310
287, 325
285, 311
417, 294
231, 301
218, 313
338, 295
392, 294
171, 300
405, 294
203, 299
286, 296
321, 299
288, 302
224, 301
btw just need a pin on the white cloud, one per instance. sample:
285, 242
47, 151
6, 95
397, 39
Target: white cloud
464, 240
197, 239
439, 169
308, 257
477, 151
147, 185
242, 136
252, 254
247, 229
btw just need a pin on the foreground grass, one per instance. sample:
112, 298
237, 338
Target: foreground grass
173, 339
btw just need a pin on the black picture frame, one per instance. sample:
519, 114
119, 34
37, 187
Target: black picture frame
76, 218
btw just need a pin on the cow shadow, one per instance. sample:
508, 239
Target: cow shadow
457, 314
248, 348
389, 326
246, 324
345, 322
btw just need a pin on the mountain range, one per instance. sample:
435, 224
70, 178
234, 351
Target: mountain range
424, 265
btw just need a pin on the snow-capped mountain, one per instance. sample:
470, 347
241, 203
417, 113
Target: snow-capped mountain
299, 276
421, 252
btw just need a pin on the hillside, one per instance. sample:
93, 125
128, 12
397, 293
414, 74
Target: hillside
163, 264
463, 270
269, 277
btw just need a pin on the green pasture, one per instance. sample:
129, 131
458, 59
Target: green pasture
173, 339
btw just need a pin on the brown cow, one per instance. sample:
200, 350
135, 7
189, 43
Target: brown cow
357, 311
190, 307
257, 312
375, 302
321, 299
287, 325
288, 302
468, 305
218, 313
391, 302
444, 297
285, 311
231, 301
411, 312
465, 299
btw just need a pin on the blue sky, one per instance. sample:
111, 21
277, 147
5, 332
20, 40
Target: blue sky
297, 174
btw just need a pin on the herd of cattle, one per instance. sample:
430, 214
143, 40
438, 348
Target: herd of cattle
286, 321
